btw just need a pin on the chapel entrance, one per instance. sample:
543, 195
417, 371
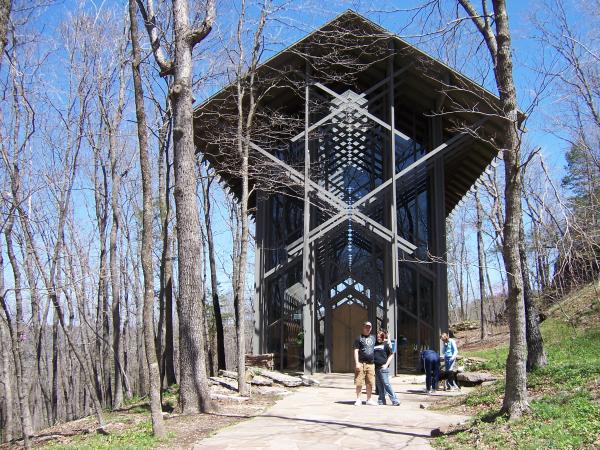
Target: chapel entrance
347, 320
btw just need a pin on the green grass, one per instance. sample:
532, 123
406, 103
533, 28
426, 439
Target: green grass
138, 437
564, 397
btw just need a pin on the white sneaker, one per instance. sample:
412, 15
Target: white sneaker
358, 402
372, 402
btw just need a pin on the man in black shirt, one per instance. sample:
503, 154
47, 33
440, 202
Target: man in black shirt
364, 349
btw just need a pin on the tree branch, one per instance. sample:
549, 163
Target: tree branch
165, 65
197, 34
483, 27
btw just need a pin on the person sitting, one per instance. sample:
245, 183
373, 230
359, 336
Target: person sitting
430, 364
383, 356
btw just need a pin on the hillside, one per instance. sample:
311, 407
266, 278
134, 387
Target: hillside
564, 396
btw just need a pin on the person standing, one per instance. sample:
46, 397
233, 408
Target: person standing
430, 364
383, 356
364, 372
450, 351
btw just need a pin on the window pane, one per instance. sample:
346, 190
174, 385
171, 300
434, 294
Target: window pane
408, 351
407, 290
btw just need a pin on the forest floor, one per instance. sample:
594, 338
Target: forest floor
130, 427
564, 397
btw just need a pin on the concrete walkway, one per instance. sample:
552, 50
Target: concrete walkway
325, 417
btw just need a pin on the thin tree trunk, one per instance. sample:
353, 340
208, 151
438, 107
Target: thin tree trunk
115, 279
126, 326
214, 286
5, 8
515, 398
481, 265
17, 333
499, 45
245, 97
536, 356
169, 353
102, 324
151, 361
166, 264
5, 369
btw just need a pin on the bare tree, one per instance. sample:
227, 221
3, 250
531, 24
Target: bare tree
5, 9
109, 77
497, 38
246, 102
207, 182
194, 394
481, 266
166, 261
146, 251
572, 46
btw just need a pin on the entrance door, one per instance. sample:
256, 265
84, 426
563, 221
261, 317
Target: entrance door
347, 325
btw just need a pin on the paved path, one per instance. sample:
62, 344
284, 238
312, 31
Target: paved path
324, 417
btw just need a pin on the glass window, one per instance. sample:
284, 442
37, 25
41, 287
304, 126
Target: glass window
425, 300
408, 341
407, 290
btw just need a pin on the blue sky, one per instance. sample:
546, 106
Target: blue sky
297, 19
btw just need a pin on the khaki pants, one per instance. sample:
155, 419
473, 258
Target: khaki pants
364, 374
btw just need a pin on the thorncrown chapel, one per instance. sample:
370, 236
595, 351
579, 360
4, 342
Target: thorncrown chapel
361, 147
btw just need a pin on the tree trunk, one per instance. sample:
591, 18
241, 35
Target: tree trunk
240, 275
536, 357
126, 326
115, 280
166, 266
481, 264
139, 319
17, 333
5, 8
146, 253
5, 369
194, 393
102, 374
214, 286
515, 398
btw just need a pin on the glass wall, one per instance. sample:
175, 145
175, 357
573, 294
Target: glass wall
284, 227
415, 305
284, 336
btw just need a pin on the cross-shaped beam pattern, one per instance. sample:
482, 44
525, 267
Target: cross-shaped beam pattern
343, 211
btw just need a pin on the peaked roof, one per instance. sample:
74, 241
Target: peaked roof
427, 82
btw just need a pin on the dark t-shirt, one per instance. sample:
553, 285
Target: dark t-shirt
365, 346
382, 353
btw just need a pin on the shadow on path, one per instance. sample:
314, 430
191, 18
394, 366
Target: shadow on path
350, 425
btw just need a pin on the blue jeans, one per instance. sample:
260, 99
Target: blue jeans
450, 373
432, 372
382, 379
